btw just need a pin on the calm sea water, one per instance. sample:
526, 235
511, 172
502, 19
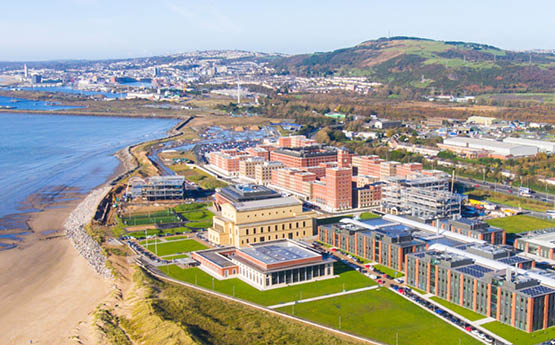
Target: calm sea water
42, 151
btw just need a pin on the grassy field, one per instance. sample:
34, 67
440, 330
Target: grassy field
469, 314
203, 179
150, 232
518, 337
173, 247
368, 215
389, 271
160, 217
162, 313
381, 315
348, 278
510, 200
520, 223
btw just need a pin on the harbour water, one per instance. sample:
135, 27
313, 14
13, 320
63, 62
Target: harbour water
27, 104
38, 152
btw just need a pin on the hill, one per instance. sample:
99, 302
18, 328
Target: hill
423, 64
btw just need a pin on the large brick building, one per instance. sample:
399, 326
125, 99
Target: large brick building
379, 240
475, 279
294, 180
303, 157
334, 191
227, 161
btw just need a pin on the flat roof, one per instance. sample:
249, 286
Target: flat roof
266, 203
214, 256
278, 252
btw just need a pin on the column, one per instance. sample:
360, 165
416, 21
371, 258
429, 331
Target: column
530, 316
461, 289
400, 259
428, 276
364, 254
545, 310
449, 285
474, 294
498, 316
380, 253
436, 292
488, 307
416, 269
513, 309
374, 249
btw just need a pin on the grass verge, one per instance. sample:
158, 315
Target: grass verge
469, 314
518, 337
389, 271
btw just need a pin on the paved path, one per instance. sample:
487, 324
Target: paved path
324, 296
482, 321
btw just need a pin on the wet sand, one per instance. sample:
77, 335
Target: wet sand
46, 287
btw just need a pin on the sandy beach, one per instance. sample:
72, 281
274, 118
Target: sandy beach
46, 287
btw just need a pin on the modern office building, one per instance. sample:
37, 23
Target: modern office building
158, 188
267, 265
476, 279
540, 243
377, 239
473, 228
250, 214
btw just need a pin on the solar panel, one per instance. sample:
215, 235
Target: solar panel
538, 290
475, 271
513, 260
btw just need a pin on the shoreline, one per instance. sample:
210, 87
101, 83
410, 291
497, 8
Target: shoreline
102, 114
52, 282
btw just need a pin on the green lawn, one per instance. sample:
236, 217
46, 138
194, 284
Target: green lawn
518, 337
381, 315
520, 223
189, 207
160, 217
368, 215
150, 232
178, 256
469, 314
389, 271
173, 247
203, 224
348, 277
422, 292
198, 215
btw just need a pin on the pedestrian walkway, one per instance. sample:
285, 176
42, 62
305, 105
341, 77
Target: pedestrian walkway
482, 321
324, 297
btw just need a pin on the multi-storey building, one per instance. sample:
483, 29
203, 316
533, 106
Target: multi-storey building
267, 265
492, 287
369, 195
473, 228
334, 191
409, 169
247, 167
258, 152
227, 161
540, 243
263, 172
376, 239
295, 141
253, 214
303, 157
367, 165
423, 197
296, 181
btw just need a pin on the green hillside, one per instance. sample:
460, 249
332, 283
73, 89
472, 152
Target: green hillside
422, 63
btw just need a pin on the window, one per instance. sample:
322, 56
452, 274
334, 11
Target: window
261, 238
246, 231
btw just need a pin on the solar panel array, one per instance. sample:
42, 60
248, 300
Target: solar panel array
513, 260
538, 290
474, 270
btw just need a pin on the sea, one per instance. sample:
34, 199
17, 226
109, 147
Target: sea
38, 152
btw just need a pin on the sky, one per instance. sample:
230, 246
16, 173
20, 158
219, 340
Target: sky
97, 29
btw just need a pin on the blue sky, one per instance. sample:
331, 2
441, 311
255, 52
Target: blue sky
90, 29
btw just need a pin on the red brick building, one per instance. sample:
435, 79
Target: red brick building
334, 191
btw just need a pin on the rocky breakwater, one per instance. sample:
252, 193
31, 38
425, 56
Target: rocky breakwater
81, 240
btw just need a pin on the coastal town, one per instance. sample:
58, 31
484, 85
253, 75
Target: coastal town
212, 173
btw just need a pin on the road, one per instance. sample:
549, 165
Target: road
501, 188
